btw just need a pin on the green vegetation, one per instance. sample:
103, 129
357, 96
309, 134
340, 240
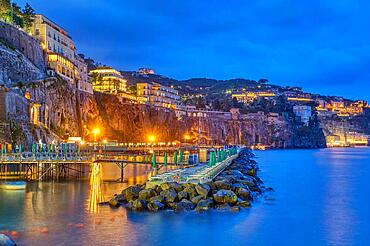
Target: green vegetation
12, 13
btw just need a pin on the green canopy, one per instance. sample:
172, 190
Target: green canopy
64, 148
154, 160
181, 156
210, 158
34, 148
175, 158
165, 159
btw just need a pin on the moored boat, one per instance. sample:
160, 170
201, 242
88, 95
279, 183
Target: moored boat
16, 185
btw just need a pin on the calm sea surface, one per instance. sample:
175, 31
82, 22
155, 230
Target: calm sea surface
321, 197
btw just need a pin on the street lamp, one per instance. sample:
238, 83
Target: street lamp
151, 138
96, 131
187, 138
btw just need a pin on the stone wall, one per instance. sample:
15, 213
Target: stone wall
14, 68
24, 43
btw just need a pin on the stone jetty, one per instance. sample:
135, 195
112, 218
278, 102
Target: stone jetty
233, 189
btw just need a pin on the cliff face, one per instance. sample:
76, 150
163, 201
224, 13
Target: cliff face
127, 122
14, 68
23, 43
62, 111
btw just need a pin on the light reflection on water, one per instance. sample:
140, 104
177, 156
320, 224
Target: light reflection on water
321, 198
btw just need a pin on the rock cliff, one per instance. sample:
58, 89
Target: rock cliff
63, 111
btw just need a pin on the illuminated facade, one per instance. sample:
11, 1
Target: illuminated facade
146, 71
58, 45
250, 96
108, 80
82, 76
62, 66
54, 38
157, 95
341, 108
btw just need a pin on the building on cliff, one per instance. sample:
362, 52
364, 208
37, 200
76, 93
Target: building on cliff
61, 53
58, 45
157, 95
304, 112
83, 76
108, 80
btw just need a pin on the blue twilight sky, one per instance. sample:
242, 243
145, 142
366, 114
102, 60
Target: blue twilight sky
323, 46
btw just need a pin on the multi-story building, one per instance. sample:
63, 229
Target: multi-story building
82, 76
157, 95
304, 112
58, 45
250, 96
146, 71
108, 80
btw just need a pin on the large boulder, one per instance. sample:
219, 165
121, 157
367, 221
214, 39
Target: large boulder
184, 205
131, 193
244, 204
169, 195
211, 184
171, 185
202, 189
196, 199
222, 185
171, 205
114, 202
120, 198
158, 198
155, 206
225, 196
147, 194
6, 241
252, 172
182, 195
191, 191
204, 205
139, 205
249, 181
243, 193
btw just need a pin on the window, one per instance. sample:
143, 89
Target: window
37, 32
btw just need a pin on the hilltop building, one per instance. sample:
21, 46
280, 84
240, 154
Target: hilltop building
60, 52
157, 95
58, 45
250, 96
146, 71
108, 80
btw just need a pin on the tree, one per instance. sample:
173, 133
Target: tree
132, 89
263, 81
4, 8
28, 16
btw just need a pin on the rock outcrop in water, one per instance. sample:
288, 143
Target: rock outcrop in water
233, 189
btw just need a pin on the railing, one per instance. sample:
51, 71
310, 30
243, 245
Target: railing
199, 174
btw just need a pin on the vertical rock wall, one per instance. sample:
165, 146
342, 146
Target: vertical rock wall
24, 43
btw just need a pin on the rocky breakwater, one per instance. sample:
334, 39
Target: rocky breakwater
233, 189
